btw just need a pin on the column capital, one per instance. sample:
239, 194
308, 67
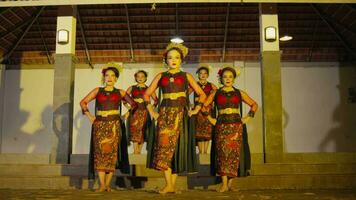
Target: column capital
66, 27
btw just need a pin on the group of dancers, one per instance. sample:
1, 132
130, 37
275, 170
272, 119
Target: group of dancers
173, 132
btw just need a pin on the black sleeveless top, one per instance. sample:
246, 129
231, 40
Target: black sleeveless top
224, 100
174, 83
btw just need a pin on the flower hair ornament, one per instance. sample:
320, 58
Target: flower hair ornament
237, 70
180, 46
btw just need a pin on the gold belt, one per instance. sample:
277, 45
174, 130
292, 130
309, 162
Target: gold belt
173, 96
105, 113
229, 111
138, 100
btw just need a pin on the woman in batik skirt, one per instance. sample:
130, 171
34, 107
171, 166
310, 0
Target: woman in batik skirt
203, 128
107, 150
227, 137
173, 146
138, 119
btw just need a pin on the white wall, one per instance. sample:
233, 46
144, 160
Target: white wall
87, 79
27, 119
317, 115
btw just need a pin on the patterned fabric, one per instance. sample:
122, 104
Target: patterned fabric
107, 135
231, 99
138, 119
170, 121
203, 127
174, 83
228, 136
137, 93
169, 129
106, 131
228, 143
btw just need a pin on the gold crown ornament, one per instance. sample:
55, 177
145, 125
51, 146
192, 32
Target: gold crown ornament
206, 66
180, 46
116, 65
237, 69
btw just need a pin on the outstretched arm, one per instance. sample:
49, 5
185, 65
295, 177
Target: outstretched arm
85, 101
150, 90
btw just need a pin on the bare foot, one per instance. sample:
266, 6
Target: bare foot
108, 188
229, 183
176, 191
166, 190
222, 188
101, 189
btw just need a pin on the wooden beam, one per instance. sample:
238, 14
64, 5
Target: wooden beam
226, 31
130, 37
44, 42
93, 2
8, 55
177, 20
310, 56
84, 40
334, 30
4, 10
13, 13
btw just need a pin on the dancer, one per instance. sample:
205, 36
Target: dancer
107, 149
203, 128
227, 139
138, 120
174, 146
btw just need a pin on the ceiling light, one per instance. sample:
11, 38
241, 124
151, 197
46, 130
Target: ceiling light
286, 38
177, 40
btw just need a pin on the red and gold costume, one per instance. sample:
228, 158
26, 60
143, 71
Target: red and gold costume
203, 127
173, 146
229, 130
138, 117
108, 149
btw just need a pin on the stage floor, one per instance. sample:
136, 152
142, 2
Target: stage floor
189, 194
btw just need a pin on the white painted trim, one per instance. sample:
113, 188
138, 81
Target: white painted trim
91, 2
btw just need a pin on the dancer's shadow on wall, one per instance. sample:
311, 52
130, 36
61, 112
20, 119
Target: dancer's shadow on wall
62, 128
343, 134
19, 141
43, 134
82, 128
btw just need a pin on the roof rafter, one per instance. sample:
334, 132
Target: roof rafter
226, 31
8, 55
333, 29
129, 31
84, 39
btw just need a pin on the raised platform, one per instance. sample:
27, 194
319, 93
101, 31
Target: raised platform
263, 176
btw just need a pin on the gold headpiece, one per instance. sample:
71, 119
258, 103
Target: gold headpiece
237, 69
118, 66
204, 65
180, 46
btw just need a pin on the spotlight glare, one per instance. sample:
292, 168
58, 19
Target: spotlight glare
286, 38
177, 40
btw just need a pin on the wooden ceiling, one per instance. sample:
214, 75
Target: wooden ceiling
213, 32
